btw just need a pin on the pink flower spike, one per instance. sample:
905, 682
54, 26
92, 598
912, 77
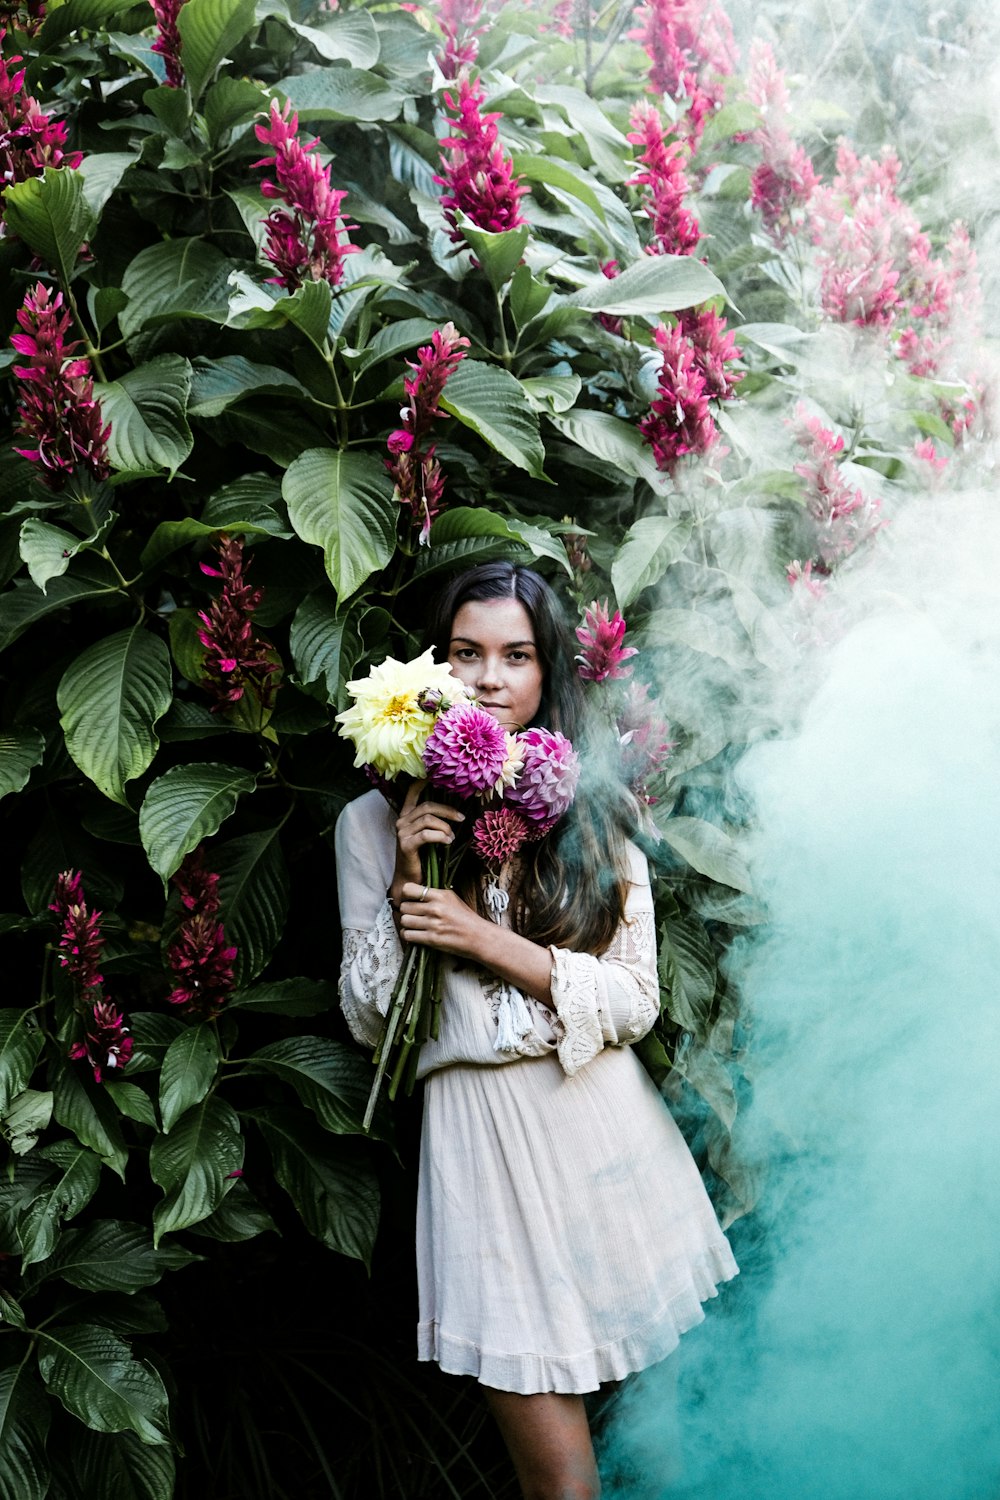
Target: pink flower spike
678, 422
460, 22
643, 740
545, 789
107, 1045
58, 414
466, 751
675, 229
30, 140
199, 956
307, 238
236, 658
416, 473
477, 177
168, 41
602, 640
80, 942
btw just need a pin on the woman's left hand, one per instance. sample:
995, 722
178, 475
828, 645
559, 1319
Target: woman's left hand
439, 919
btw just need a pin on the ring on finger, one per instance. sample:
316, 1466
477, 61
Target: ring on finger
424, 893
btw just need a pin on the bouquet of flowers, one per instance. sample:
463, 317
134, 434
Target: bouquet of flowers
414, 719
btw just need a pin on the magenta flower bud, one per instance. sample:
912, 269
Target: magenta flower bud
235, 657
199, 957
307, 238
602, 640
430, 700
106, 1045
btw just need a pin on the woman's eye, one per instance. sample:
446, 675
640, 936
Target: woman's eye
465, 653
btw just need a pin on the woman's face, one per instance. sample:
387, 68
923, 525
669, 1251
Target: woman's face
492, 650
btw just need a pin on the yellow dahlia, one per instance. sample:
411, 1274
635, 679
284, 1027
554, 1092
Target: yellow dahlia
386, 722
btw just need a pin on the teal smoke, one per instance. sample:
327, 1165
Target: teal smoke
857, 1356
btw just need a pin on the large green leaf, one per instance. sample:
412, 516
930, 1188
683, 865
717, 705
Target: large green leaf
467, 523
152, 1034
327, 644
47, 550
20, 1043
111, 1255
102, 171
220, 383
230, 102
170, 536
25, 1414
238, 1217
330, 1078
490, 401
328, 1179
343, 503
62, 1196
85, 1110
709, 850
110, 699
499, 255
60, 20
189, 1069
687, 972
51, 214
341, 94
98, 1380
25, 603
147, 409
28, 1115
395, 338
611, 439
698, 631
650, 546
654, 285
192, 1164
253, 894
562, 175
21, 749
179, 278
287, 997
119, 1466
185, 805
348, 37
209, 29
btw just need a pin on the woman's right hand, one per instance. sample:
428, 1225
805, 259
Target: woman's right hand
419, 823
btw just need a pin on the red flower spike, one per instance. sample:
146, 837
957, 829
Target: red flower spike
80, 942
106, 1045
678, 422
459, 20
416, 472
602, 640
235, 658
168, 41
199, 957
477, 177
675, 229
58, 415
308, 238
30, 140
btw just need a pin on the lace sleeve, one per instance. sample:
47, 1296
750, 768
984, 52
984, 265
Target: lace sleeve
611, 999
368, 974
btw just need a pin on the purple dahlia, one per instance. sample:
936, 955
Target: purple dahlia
548, 779
466, 751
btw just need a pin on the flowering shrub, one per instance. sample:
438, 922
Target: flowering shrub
586, 303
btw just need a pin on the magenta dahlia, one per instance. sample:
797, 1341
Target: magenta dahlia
497, 835
466, 751
547, 783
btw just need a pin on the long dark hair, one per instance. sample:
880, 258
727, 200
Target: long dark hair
574, 882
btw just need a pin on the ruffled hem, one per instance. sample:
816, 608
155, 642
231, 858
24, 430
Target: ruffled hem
529, 1374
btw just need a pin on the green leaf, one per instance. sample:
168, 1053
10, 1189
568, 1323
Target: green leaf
230, 102
552, 393
709, 850
111, 1255
152, 1034
23, 604
21, 749
110, 699
552, 172
347, 37
184, 806
77, 14
649, 548
209, 29
192, 1163
25, 1414
487, 535
708, 1076
97, 1379
330, 1078
220, 383
181, 278
327, 645
52, 216
611, 439
341, 94
60, 1197
395, 338
343, 503
47, 550
287, 997
185, 647
308, 309
499, 255
170, 536
189, 1070
147, 409
527, 296
102, 171
238, 1217
83, 1108
20, 1043
490, 401
28, 1115
699, 632
654, 285
130, 1100
327, 1178
687, 972
253, 894
121, 1465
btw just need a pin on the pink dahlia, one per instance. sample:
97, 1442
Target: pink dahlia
602, 639
466, 751
549, 775
497, 835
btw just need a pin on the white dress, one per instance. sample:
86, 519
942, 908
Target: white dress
564, 1235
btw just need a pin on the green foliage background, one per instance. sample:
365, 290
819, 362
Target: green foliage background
168, 1327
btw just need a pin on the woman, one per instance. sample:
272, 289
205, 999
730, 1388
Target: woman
564, 1237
